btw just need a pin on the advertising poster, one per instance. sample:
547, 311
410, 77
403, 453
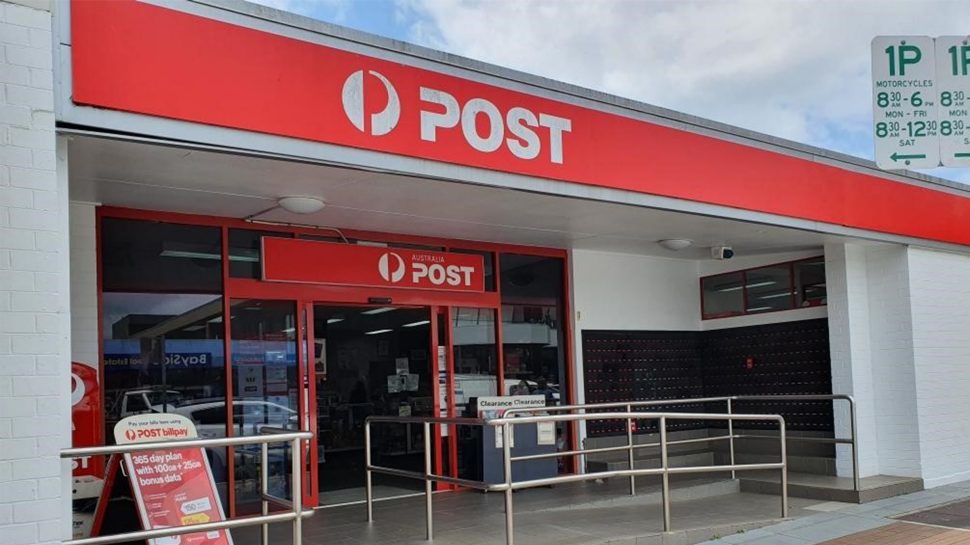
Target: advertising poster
172, 487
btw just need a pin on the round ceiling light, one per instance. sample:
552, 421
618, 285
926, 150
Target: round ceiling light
301, 205
675, 244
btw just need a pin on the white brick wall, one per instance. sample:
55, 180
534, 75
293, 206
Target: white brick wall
871, 342
891, 349
848, 311
34, 290
940, 295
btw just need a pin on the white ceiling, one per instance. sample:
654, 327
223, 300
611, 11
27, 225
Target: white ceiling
156, 177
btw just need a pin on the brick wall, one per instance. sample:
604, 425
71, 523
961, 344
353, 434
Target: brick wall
940, 297
34, 292
891, 350
871, 336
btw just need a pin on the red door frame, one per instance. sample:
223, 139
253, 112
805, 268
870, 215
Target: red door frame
304, 296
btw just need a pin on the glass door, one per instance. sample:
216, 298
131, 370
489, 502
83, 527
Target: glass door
370, 360
268, 392
475, 373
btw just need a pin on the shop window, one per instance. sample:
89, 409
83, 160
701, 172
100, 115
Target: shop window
769, 289
772, 288
141, 256
164, 353
245, 247
810, 282
723, 295
532, 335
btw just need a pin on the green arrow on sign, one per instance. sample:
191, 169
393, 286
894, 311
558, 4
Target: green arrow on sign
895, 156
962, 154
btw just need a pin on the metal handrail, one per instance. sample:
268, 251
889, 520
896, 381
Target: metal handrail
852, 440
508, 486
296, 512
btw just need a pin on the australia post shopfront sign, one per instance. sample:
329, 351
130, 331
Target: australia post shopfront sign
163, 61
311, 262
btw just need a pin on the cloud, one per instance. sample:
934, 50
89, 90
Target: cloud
792, 69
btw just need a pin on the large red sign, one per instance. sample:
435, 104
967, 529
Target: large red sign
173, 487
307, 261
138, 57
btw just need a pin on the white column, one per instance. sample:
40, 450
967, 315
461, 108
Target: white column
848, 310
893, 371
35, 421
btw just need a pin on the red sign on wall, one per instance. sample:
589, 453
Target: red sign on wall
312, 262
125, 58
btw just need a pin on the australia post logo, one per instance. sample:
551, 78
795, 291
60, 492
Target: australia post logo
527, 134
313, 262
422, 269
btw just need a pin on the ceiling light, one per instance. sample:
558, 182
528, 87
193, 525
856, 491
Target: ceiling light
756, 309
301, 205
777, 295
334, 320
754, 285
378, 331
675, 244
416, 324
189, 254
380, 310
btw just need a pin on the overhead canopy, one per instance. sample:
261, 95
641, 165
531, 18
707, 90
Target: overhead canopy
169, 178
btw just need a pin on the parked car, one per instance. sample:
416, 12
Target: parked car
249, 416
145, 400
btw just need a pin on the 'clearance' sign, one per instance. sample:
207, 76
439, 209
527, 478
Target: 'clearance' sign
312, 262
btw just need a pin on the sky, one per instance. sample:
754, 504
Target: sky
795, 69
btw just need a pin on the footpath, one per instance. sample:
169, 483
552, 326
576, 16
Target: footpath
940, 516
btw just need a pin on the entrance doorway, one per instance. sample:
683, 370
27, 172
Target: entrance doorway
370, 360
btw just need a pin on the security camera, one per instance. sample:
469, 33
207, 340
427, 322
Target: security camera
722, 252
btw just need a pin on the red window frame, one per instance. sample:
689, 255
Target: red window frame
744, 289
307, 294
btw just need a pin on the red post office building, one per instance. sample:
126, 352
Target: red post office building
254, 219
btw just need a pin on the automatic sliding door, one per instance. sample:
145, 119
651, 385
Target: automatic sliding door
370, 361
475, 375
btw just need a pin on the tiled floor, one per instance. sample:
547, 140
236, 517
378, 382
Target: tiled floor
581, 514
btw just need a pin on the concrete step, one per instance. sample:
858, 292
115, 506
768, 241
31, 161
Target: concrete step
798, 464
697, 458
829, 487
817, 465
